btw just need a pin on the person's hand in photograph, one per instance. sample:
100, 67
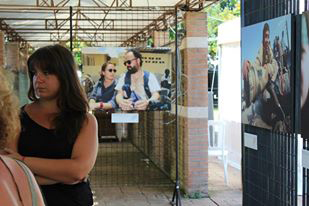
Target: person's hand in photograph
126, 104
141, 104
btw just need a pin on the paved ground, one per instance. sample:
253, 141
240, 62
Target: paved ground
220, 194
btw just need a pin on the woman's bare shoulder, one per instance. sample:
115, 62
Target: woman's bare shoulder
91, 118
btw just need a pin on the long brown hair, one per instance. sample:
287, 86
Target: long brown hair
72, 100
9, 112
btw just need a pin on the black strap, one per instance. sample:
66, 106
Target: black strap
127, 81
146, 85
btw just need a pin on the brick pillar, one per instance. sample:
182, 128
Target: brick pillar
195, 141
141, 44
23, 58
1, 49
160, 38
63, 43
12, 56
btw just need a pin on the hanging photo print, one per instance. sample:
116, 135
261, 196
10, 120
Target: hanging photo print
266, 75
304, 78
128, 79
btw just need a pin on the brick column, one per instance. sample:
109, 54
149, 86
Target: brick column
23, 58
12, 56
160, 38
1, 49
194, 119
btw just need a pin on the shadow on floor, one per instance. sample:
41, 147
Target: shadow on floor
116, 173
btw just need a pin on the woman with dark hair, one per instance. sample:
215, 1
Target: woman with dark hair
58, 140
103, 95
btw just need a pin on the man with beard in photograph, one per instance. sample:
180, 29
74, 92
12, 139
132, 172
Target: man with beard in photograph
259, 86
137, 89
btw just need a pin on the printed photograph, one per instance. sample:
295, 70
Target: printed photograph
304, 79
127, 79
266, 75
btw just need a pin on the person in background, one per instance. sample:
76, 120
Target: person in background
88, 84
103, 95
58, 140
10, 189
166, 82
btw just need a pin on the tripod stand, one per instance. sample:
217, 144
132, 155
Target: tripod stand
176, 194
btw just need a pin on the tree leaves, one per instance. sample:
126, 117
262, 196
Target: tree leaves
217, 14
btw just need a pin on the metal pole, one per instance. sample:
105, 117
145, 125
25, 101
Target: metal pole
176, 195
176, 111
71, 28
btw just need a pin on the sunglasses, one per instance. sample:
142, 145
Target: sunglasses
128, 61
112, 70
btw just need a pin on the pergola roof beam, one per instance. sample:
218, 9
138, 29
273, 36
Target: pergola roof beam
84, 28
86, 19
97, 20
82, 8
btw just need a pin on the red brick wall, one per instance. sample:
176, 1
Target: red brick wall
195, 67
160, 38
195, 23
195, 141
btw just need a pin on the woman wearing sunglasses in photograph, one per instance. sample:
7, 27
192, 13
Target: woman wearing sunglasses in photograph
103, 95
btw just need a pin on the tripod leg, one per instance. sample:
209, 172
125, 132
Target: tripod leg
176, 196
178, 203
173, 199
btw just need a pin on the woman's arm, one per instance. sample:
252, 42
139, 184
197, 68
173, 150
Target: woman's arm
45, 181
70, 170
94, 92
93, 105
97, 105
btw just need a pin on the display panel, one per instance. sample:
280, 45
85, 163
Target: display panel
142, 76
267, 100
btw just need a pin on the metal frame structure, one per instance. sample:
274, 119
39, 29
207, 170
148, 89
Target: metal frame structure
120, 23
270, 173
97, 22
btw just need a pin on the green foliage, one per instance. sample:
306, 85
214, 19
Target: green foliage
217, 14
194, 195
171, 31
150, 42
77, 52
229, 4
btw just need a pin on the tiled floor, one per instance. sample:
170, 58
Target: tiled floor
220, 194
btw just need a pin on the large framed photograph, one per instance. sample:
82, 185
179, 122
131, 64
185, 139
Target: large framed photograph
129, 79
304, 77
267, 100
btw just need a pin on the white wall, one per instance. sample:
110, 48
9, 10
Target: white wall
229, 86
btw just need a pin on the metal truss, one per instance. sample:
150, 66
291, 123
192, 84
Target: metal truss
86, 28
167, 19
12, 35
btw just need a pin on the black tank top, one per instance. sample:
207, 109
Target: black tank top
38, 141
